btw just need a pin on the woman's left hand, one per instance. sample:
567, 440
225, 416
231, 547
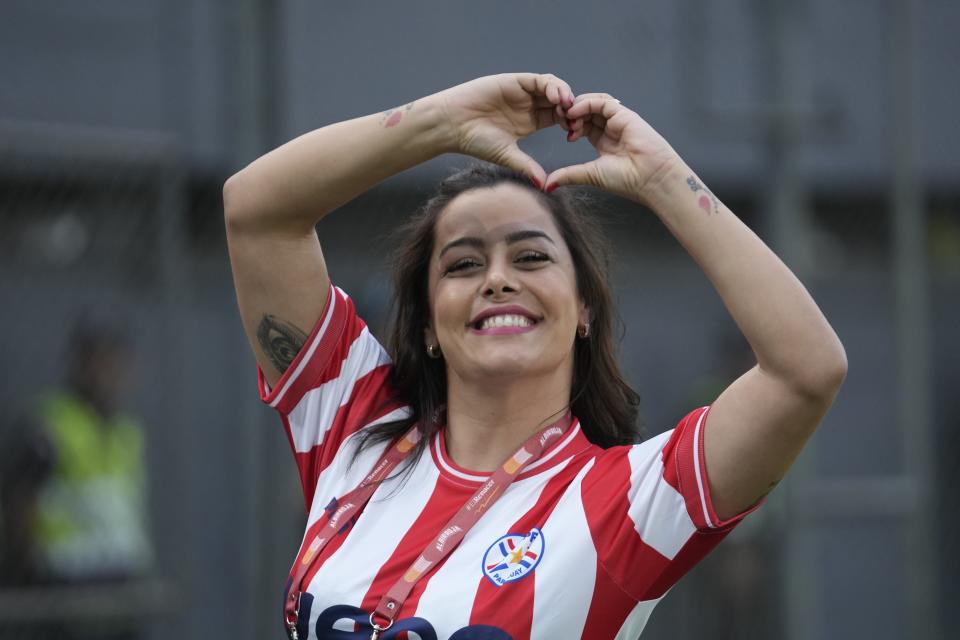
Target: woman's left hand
631, 152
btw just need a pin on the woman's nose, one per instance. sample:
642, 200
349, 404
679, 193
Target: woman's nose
498, 281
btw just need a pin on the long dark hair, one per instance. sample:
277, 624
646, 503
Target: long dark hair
603, 401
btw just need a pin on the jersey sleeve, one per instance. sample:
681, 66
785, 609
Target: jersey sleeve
649, 509
337, 385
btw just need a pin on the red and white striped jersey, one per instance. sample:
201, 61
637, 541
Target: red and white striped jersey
584, 543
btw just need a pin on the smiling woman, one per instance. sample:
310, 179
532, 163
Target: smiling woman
487, 244
511, 259
483, 477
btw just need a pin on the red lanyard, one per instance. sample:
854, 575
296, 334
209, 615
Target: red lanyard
445, 542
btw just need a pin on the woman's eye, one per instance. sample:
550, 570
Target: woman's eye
533, 257
460, 265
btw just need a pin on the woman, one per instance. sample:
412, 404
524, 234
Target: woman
519, 519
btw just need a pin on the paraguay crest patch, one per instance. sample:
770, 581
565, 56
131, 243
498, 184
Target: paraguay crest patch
513, 556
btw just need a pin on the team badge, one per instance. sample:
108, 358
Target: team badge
513, 556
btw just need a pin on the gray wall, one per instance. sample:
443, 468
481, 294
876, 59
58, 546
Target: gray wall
188, 68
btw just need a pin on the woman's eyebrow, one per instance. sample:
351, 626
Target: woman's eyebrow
468, 241
510, 238
525, 234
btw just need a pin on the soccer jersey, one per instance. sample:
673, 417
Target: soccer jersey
583, 544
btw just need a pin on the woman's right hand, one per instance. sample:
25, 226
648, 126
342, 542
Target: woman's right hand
489, 115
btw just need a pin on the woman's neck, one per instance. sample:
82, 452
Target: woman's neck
488, 423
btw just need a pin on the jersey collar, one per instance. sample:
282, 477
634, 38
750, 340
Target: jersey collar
573, 442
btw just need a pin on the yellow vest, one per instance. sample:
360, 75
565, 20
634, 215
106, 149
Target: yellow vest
90, 518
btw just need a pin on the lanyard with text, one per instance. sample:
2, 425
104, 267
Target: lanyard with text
445, 542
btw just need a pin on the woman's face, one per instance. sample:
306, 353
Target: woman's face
503, 293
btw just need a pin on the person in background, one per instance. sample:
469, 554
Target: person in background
72, 475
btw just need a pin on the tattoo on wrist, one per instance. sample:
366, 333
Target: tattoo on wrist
708, 202
392, 117
280, 341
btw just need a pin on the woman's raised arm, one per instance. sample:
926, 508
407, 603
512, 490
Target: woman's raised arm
758, 425
272, 206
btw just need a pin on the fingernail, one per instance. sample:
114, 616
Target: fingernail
536, 183
551, 188
570, 135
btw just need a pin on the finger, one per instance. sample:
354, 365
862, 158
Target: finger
553, 93
589, 131
583, 131
596, 118
558, 116
547, 90
561, 117
576, 174
565, 95
600, 104
596, 133
547, 84
592, 128
606, 108
596, 95
548, 118
514, 158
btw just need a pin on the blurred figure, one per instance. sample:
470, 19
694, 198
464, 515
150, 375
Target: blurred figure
72, 476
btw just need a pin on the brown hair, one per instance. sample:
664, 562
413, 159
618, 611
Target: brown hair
603, 401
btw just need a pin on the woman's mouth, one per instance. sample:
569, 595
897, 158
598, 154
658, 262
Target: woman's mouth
503, 324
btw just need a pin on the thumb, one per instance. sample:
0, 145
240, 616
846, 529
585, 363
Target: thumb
514, 158
574, 174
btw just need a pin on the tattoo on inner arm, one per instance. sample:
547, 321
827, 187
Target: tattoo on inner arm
280, 341
708, 202
392, 117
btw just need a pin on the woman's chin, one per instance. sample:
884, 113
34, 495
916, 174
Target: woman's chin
508, 367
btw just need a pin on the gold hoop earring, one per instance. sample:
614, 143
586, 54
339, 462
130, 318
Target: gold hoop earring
583, 330
433, 351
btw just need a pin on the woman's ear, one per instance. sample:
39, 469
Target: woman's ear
430, 340
429, 336
585, 315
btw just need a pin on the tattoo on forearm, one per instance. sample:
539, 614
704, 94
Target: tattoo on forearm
392, 117
280, 341
708, 202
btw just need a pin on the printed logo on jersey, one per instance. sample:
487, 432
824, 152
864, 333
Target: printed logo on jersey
346, 622
514, 556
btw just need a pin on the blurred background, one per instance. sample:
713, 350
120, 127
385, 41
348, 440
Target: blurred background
829, 127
